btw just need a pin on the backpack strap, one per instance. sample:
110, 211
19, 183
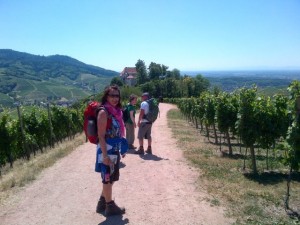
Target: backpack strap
102, 107
109, 116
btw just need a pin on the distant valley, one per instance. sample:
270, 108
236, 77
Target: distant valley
31, 78
270, 81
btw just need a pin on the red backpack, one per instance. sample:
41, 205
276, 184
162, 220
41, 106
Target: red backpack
90, 121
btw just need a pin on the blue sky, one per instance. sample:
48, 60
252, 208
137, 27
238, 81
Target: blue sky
182, 34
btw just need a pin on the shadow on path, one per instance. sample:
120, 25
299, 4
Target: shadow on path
113, 220
152, 157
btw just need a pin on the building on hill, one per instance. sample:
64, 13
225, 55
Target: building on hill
128, 76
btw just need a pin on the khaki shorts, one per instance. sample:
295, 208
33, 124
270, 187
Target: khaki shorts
129, 133
145, 131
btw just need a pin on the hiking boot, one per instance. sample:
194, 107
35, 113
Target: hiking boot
131, 147
140, 151
113, 209
101, 205
149, 150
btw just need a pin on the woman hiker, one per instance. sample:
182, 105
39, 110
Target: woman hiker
111, 129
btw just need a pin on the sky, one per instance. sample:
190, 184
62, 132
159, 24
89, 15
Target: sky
187, 35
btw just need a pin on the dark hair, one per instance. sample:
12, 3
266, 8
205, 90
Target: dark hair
131, 97
106, 92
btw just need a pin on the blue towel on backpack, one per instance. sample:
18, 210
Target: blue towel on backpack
112, 144
122, 142
115, 143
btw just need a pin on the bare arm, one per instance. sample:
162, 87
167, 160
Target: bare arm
132, 118
101, 125
142, 113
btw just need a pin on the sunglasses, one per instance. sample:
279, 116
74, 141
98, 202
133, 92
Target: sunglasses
114, 96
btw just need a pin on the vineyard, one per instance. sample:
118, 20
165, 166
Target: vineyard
251, 127
36, 130
243, 124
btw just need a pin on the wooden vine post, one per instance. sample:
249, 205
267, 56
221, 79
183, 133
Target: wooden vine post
50, 126
22, 132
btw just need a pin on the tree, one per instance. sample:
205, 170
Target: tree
201, 85
187, 88
155, 71
142, 75
148, 87
170, 88
164, 69
117, 81
176, 74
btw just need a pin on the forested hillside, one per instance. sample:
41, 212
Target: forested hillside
27, 77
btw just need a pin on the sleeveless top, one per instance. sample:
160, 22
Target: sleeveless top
112, 131
112, 128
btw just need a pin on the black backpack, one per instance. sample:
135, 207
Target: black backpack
126, 114
152, 115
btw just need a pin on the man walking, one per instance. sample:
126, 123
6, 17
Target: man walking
144, 126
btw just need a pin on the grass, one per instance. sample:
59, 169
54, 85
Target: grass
24, 172
248, 199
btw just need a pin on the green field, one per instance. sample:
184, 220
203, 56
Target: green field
5, 100
33, 90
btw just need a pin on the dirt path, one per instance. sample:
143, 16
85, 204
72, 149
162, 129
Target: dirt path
155, 189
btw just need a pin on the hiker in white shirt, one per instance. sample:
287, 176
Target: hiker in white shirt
144, 126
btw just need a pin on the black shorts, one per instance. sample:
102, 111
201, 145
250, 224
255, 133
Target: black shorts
106, 175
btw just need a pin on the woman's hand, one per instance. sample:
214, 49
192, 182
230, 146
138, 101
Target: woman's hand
106, 161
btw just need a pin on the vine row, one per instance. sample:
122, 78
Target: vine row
35, 130
256, 122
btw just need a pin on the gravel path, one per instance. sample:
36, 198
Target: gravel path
154, 189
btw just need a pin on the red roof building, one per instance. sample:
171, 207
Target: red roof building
128, 75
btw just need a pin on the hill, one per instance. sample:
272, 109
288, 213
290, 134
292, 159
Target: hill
25, 77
